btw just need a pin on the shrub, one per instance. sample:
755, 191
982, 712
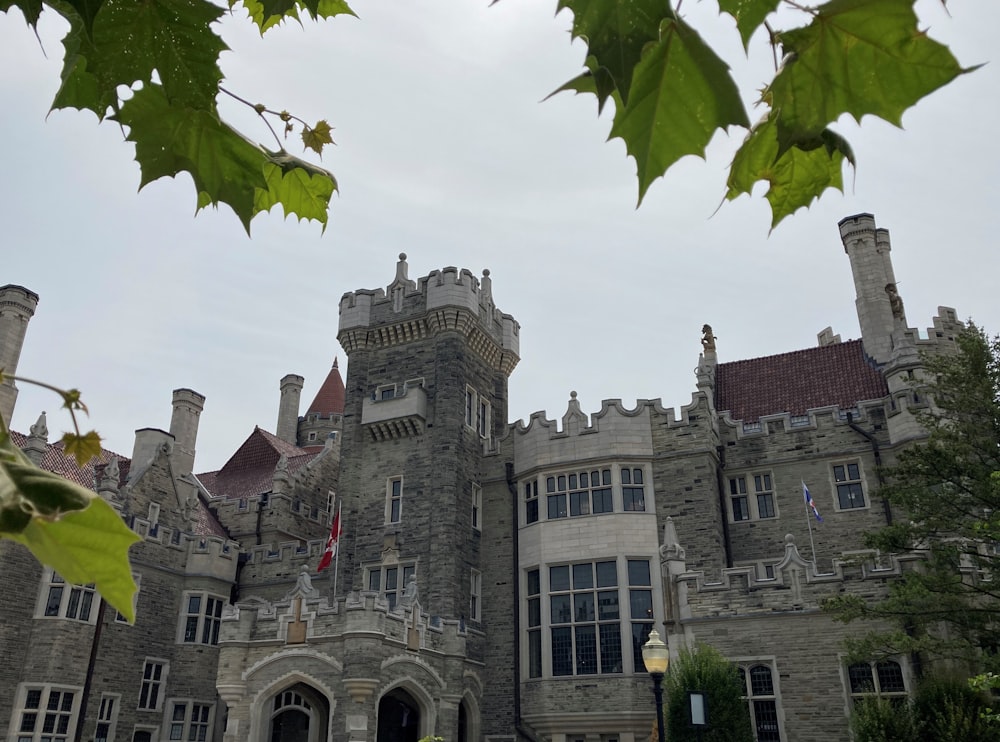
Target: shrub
705, 670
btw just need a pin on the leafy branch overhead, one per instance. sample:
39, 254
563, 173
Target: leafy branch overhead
165, 55
671, 90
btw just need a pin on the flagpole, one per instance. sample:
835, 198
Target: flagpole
812, 544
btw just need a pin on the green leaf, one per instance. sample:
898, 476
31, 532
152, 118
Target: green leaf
87, 546
81, 88
269, 13
316, 137
856, 57
82, 447
681, 94
32, 9
173, 37
226, 167
301, 188
65, 526
87, 10
796, 177
749, 15
617, 31
169, 139
596, 80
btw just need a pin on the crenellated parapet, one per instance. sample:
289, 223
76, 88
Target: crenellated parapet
450, 299
796, 584
818, 420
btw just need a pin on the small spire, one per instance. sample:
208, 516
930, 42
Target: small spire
402, 269
40, 429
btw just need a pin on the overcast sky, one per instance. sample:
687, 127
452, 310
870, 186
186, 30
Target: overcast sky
447, 152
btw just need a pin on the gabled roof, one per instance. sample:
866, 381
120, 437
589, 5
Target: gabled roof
56, 461
840, 374
330, 397
250, 471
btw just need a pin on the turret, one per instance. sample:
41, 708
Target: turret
879, 307
17, 307
288, 408
188, 405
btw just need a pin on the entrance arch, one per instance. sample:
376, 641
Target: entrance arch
297, 714
398, 717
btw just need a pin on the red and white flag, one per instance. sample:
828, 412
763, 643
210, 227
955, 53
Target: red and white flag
331, 543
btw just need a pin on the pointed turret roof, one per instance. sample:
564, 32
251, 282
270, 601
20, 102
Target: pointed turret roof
330, 397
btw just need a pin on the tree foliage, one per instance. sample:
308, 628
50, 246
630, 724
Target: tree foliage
705, 670
946, 492
152, 66
66, 526
943, 709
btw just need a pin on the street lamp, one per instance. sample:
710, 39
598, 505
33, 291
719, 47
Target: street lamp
655, 657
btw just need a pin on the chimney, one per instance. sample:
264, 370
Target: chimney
188, 405
17, 307
288, 408
148, 443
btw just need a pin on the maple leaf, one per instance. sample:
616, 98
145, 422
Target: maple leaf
681, 94
269, 13
796, 177
31, 9
856, 57
82, 447
749, 15
169, 139
314, 138
616, 32
299, 186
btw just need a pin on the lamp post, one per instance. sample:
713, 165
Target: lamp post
655, 657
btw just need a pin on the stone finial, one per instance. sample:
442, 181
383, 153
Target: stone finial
575, 419
402, 269
895, 304
410, 596
281, 478
40, 429
708, 339
671, 550
486, 290
827, 337
38, 441
107, 484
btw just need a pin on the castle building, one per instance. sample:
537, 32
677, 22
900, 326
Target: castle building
493, 582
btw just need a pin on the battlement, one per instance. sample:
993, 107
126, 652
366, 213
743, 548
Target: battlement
796, 584
814, 419
237, 511
358, 612
409, 310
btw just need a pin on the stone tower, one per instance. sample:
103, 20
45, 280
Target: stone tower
426, 397
17, 307
878, 304
288, 408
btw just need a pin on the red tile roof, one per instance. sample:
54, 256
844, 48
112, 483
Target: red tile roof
250, 471
57, 462
330, 397
839, 374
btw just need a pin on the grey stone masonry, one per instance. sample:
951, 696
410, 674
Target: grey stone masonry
17, 307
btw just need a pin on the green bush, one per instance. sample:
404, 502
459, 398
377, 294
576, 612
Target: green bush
943, 709
705, 670
948, 709
878, 720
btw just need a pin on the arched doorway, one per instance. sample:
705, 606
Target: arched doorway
398, 717
297, 714
463, 723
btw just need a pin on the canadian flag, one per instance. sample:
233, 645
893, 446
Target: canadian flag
331, 543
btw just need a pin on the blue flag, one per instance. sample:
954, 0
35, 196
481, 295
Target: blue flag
809, 502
